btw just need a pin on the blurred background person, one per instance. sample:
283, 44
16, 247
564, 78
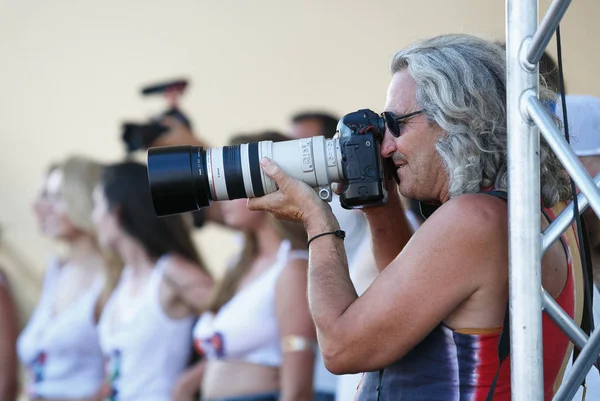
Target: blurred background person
179, 132
305, 124
146, 328
257, 335
583, 114
9, 330
584, 119
59, 346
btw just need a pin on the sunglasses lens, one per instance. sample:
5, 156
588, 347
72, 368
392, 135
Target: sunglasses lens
392, 124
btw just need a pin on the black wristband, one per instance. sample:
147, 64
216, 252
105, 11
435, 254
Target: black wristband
341, 234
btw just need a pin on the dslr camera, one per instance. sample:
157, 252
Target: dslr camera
187, 178
141, 135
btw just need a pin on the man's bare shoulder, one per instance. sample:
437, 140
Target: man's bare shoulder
465, 224
472, 211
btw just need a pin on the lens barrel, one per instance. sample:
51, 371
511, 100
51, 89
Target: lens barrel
178, 181
187, 178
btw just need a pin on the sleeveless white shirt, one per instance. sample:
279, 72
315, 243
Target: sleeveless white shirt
148, 350
62, 353
246, 328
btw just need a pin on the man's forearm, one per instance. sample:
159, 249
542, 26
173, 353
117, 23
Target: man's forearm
330, 290
390, 231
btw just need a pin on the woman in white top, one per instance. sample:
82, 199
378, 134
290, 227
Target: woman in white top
146, 327
59, 346
257, 337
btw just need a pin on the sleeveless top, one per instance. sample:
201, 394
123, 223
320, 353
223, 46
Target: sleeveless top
246, 328
461, 364
62, 353
146, 353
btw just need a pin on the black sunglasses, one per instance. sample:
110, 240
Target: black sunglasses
393, 121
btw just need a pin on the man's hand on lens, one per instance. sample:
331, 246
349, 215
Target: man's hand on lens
294, 200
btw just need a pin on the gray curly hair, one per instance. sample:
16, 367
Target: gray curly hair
461, 83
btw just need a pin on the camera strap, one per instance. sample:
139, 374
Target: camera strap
379, 385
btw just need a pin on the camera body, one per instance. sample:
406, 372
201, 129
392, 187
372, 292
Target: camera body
360, 136
187, 178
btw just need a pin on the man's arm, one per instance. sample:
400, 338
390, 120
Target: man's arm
459, 251
390, 230
424, 284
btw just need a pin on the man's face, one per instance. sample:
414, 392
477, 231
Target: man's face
306, 129
418, 164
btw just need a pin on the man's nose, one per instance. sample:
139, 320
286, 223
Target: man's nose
388, 145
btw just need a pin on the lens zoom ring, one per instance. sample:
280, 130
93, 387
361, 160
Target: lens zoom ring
255, 173
234, 178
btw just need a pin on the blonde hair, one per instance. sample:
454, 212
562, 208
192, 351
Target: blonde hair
80, 177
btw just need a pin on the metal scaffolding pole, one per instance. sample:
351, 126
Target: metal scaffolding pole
525, 112
524, 214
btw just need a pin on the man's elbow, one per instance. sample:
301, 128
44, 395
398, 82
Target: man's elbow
338, 359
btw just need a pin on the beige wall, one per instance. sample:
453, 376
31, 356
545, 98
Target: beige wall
70, 73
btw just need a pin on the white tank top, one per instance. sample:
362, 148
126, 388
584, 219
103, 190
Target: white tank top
246, 328
62, 353
147, 352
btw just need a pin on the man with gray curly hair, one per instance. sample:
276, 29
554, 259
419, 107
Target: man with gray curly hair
428, 326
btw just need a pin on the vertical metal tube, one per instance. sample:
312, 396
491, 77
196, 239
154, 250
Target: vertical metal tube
527, 381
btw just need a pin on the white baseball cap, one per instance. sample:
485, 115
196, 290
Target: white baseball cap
583, 113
